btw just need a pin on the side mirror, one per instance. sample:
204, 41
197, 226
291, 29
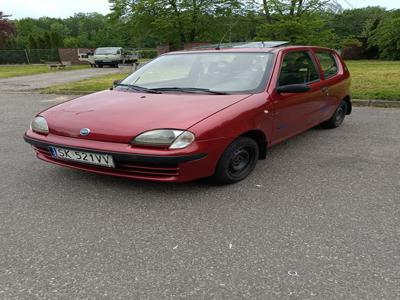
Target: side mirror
293, 88
115, 83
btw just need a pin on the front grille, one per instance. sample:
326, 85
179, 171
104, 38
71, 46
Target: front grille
150, 169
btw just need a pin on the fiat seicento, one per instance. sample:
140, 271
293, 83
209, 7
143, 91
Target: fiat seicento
192, 114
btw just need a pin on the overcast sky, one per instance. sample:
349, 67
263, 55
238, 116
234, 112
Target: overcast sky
65, 8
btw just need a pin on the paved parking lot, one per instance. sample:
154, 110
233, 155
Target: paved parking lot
30, 82
319, 219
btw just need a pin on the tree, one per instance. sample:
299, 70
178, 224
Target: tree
296, 21
55, 39
47, 40
300, 30
7, 29
387, 37
174, 22
41, 43
356, 22
32, 43
293, 8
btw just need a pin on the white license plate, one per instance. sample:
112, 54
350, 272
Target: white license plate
104, 160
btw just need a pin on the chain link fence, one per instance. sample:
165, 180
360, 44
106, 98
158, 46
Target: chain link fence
28, 56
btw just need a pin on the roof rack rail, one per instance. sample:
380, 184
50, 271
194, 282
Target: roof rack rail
258, 44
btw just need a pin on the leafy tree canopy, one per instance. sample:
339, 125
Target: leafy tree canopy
148, 23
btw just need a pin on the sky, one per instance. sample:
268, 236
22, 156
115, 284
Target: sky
65, 8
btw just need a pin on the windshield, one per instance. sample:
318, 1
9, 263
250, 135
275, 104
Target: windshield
229, 72
106, 51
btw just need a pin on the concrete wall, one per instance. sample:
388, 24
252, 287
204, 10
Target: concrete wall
71, 55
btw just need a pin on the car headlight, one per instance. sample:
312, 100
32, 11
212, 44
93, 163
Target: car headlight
39, 125
175, 139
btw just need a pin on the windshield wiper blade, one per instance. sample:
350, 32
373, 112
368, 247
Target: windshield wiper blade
138, 88
189, 90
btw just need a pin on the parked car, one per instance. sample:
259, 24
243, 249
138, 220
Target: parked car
112, 56
193, 114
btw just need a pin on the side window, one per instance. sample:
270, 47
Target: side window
297, 68
328, 63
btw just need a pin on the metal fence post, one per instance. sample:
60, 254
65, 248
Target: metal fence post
27, 57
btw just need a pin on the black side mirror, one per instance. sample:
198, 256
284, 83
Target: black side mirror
293, 88
115, 83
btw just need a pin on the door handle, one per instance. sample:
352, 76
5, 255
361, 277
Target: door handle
325, 90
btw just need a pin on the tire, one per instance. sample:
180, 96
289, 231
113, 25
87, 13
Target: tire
237, 161
100, 66
338, 117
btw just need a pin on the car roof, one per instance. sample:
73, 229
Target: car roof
262, 47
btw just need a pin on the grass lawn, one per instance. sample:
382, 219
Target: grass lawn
7, 71
374, 79
371, 79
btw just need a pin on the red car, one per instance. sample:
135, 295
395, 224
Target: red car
193, 114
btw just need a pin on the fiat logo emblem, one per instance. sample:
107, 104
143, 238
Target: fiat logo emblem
84, 131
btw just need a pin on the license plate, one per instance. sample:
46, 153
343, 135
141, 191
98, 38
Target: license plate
104, 160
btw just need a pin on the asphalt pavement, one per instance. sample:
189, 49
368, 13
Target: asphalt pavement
38, 81
319, 219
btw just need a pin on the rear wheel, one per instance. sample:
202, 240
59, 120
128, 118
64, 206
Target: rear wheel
237, 162
338, 117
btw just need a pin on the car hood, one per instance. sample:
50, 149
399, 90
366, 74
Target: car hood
118, 116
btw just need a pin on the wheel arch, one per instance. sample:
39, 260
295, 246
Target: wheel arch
259, 137
349, 105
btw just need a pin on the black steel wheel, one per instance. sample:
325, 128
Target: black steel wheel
238, 161
338, 117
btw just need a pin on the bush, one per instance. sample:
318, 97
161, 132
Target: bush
148, 53
387, 38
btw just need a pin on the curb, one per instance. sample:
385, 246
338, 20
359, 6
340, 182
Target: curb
376, 103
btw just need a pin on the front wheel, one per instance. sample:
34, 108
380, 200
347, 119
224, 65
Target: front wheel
237, 162
338, 117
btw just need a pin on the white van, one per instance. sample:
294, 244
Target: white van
112, 56
86, 55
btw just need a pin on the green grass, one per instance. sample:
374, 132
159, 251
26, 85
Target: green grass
371, 79
7, 71
374, 79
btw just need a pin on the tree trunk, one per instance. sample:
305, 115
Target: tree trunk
182, 38
292, 7
195, 18
267, 12
300, 7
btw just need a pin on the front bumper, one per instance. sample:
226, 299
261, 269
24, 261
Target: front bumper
154, 165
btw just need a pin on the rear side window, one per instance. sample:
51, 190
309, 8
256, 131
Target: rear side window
328, 63
297, 68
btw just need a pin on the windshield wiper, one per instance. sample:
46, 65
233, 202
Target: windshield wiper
138, 88
189, 90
